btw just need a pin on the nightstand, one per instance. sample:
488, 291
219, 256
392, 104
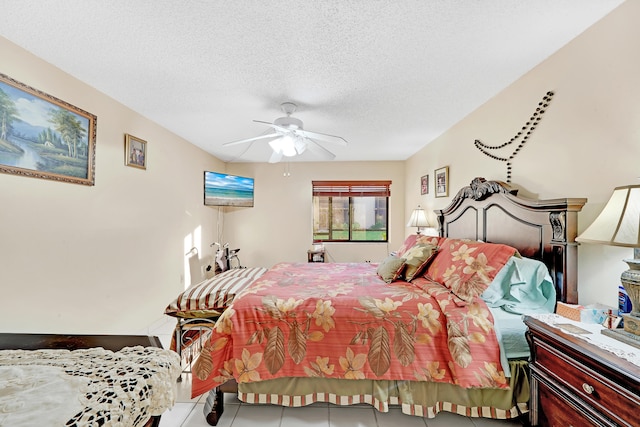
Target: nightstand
315, 256
576, 383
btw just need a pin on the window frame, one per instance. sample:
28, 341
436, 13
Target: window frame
351, 190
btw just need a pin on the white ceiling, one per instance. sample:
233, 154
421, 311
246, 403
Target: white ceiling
389, 76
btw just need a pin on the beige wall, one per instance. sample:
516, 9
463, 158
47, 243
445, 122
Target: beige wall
279, 226
105, 258
108, 258
587, 143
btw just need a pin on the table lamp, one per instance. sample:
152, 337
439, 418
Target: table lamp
619, 225
418, 219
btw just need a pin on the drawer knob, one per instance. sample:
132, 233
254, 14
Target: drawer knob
587, 388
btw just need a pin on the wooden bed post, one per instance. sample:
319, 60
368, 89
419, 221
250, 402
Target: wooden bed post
564, 223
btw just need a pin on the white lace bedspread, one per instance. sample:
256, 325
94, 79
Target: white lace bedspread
92, 387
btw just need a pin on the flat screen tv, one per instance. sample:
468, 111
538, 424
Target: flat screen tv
222, 189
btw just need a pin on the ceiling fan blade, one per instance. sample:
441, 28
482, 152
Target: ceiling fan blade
319, 151
242, 141
300, 144
276, 156
276, 127
294, 140
323, 137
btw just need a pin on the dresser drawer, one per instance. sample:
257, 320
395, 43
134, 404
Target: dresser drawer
556, 412
607, 397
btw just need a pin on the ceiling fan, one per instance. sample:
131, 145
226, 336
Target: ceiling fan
288, 137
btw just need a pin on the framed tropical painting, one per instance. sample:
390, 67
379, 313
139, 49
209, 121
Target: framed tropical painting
45, 137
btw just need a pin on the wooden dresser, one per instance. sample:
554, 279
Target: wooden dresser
575, 383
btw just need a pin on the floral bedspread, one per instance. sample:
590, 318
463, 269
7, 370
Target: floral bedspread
340, 320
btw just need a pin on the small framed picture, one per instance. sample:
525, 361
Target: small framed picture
442, 181
424, 185
135, 151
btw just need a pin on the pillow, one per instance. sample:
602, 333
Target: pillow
412, 239
498, 289
418, 257
522, 286
390, 268
467, 267
211, 297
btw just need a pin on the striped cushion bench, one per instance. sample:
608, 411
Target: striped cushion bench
199, 306
211, 297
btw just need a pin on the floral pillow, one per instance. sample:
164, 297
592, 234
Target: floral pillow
390, 269
418, 257
468, 267
412, 239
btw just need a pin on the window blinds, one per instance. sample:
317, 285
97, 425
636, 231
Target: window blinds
351, 188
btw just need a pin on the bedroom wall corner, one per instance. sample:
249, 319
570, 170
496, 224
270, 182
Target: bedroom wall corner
586, 144
106, 258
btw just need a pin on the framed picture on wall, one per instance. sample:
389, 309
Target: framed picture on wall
442, 181
424, 185
135, 151
44, 137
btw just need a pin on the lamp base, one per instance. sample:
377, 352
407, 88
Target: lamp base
631, 332
631, 324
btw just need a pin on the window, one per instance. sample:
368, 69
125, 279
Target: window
350, 211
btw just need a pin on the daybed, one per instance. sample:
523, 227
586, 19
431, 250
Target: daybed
85, 380
425, 329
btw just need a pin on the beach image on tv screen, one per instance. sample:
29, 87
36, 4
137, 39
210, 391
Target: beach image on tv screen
227, 190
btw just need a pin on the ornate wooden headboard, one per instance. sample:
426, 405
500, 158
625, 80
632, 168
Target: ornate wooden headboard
546, 230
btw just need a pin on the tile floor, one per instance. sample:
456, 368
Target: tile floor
189, 412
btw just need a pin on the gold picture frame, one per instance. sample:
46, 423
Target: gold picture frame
442, 181
44, 137
424, 185
135, 152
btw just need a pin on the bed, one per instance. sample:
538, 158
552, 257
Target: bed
419, 335
80, 380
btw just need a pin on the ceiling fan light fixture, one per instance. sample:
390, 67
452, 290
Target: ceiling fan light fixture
289, 138
300, 144
276, 145
285, 145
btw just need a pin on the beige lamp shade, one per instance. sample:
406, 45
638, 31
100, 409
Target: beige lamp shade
418, 219
619, 222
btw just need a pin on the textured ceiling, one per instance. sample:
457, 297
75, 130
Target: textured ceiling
388, 76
